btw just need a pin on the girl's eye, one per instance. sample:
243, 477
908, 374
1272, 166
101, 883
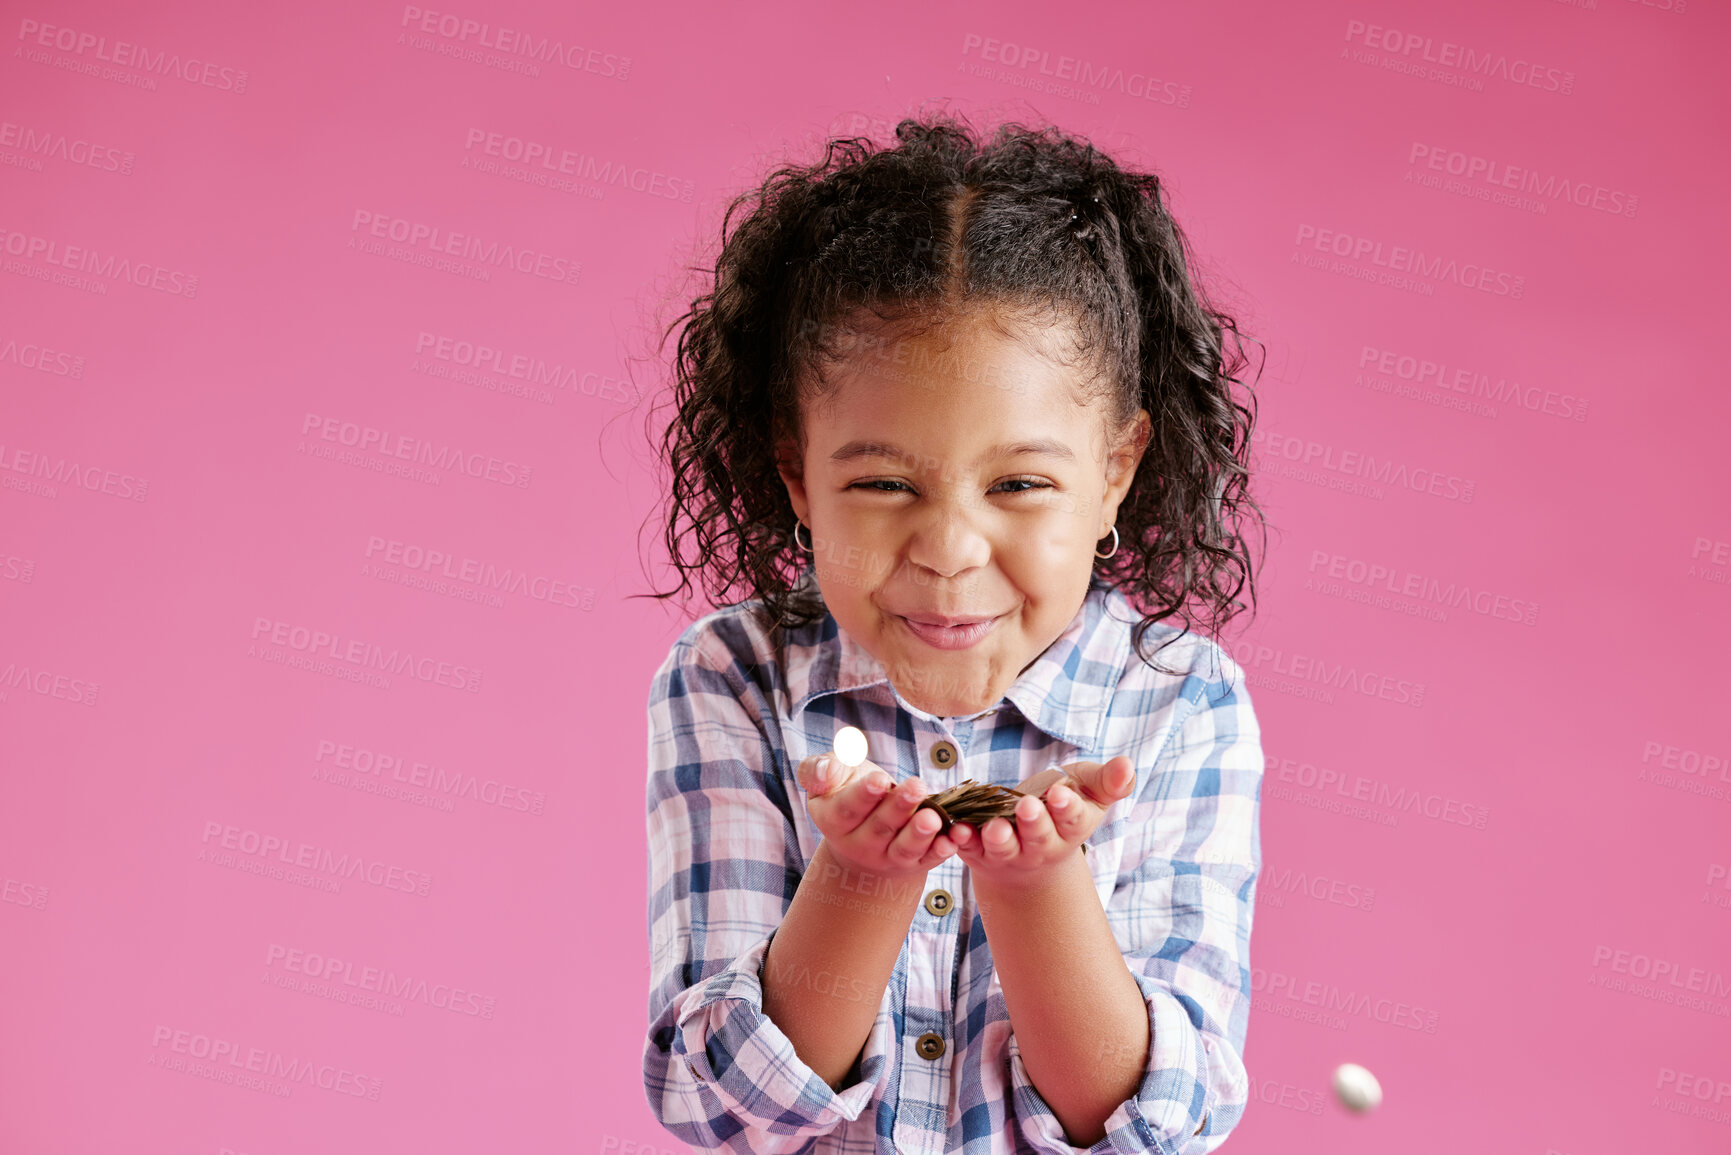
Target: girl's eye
1030, 482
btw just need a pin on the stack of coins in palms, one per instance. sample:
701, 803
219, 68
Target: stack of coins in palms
975, 803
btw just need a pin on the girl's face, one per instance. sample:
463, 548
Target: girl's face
957, 475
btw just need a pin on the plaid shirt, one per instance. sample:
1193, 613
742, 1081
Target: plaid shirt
1175, 865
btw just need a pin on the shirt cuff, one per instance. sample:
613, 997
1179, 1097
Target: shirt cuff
1189, 1098
737, 1052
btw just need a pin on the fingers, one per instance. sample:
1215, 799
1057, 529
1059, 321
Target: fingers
819, 774
875, 813
840, 797
878, 816
1121, 778
887, 821
1103, 783
858, 804
1042, 829
1035, 831
916, 837
998, 844
1039, 783
1065, 814
940, 848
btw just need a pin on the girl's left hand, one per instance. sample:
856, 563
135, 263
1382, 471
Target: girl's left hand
1048, 827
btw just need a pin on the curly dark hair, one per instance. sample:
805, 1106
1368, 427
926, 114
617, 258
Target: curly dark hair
1027, 218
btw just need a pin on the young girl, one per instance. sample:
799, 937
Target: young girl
946, 409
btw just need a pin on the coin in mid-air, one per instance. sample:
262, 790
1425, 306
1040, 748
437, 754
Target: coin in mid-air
850, 745
1357, 1087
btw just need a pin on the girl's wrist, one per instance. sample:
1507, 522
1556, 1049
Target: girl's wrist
1026, 885
873, 891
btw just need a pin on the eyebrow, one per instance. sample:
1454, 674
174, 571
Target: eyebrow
1041, 446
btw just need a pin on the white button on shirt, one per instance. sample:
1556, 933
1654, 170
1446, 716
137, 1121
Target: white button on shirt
732, 712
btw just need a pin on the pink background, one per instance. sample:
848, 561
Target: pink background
1500, 883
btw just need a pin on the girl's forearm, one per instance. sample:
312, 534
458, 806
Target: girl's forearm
831, 959
1078, 1014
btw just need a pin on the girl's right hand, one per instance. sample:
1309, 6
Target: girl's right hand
872, 824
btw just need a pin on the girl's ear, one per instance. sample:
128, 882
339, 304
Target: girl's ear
792, 470
1127, 454
1121, 465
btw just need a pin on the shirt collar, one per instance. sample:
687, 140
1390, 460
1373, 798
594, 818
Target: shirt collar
1065, 691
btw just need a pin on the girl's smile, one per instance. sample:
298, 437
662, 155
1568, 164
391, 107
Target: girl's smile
949, 633
955, 485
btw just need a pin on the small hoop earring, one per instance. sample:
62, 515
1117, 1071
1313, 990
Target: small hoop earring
796, 525
1114, 548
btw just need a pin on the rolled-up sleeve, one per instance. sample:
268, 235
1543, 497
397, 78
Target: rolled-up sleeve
1181, 914
724, 865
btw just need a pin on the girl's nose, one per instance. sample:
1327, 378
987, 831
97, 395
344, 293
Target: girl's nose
948, 543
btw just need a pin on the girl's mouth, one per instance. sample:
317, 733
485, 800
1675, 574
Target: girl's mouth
949, 637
